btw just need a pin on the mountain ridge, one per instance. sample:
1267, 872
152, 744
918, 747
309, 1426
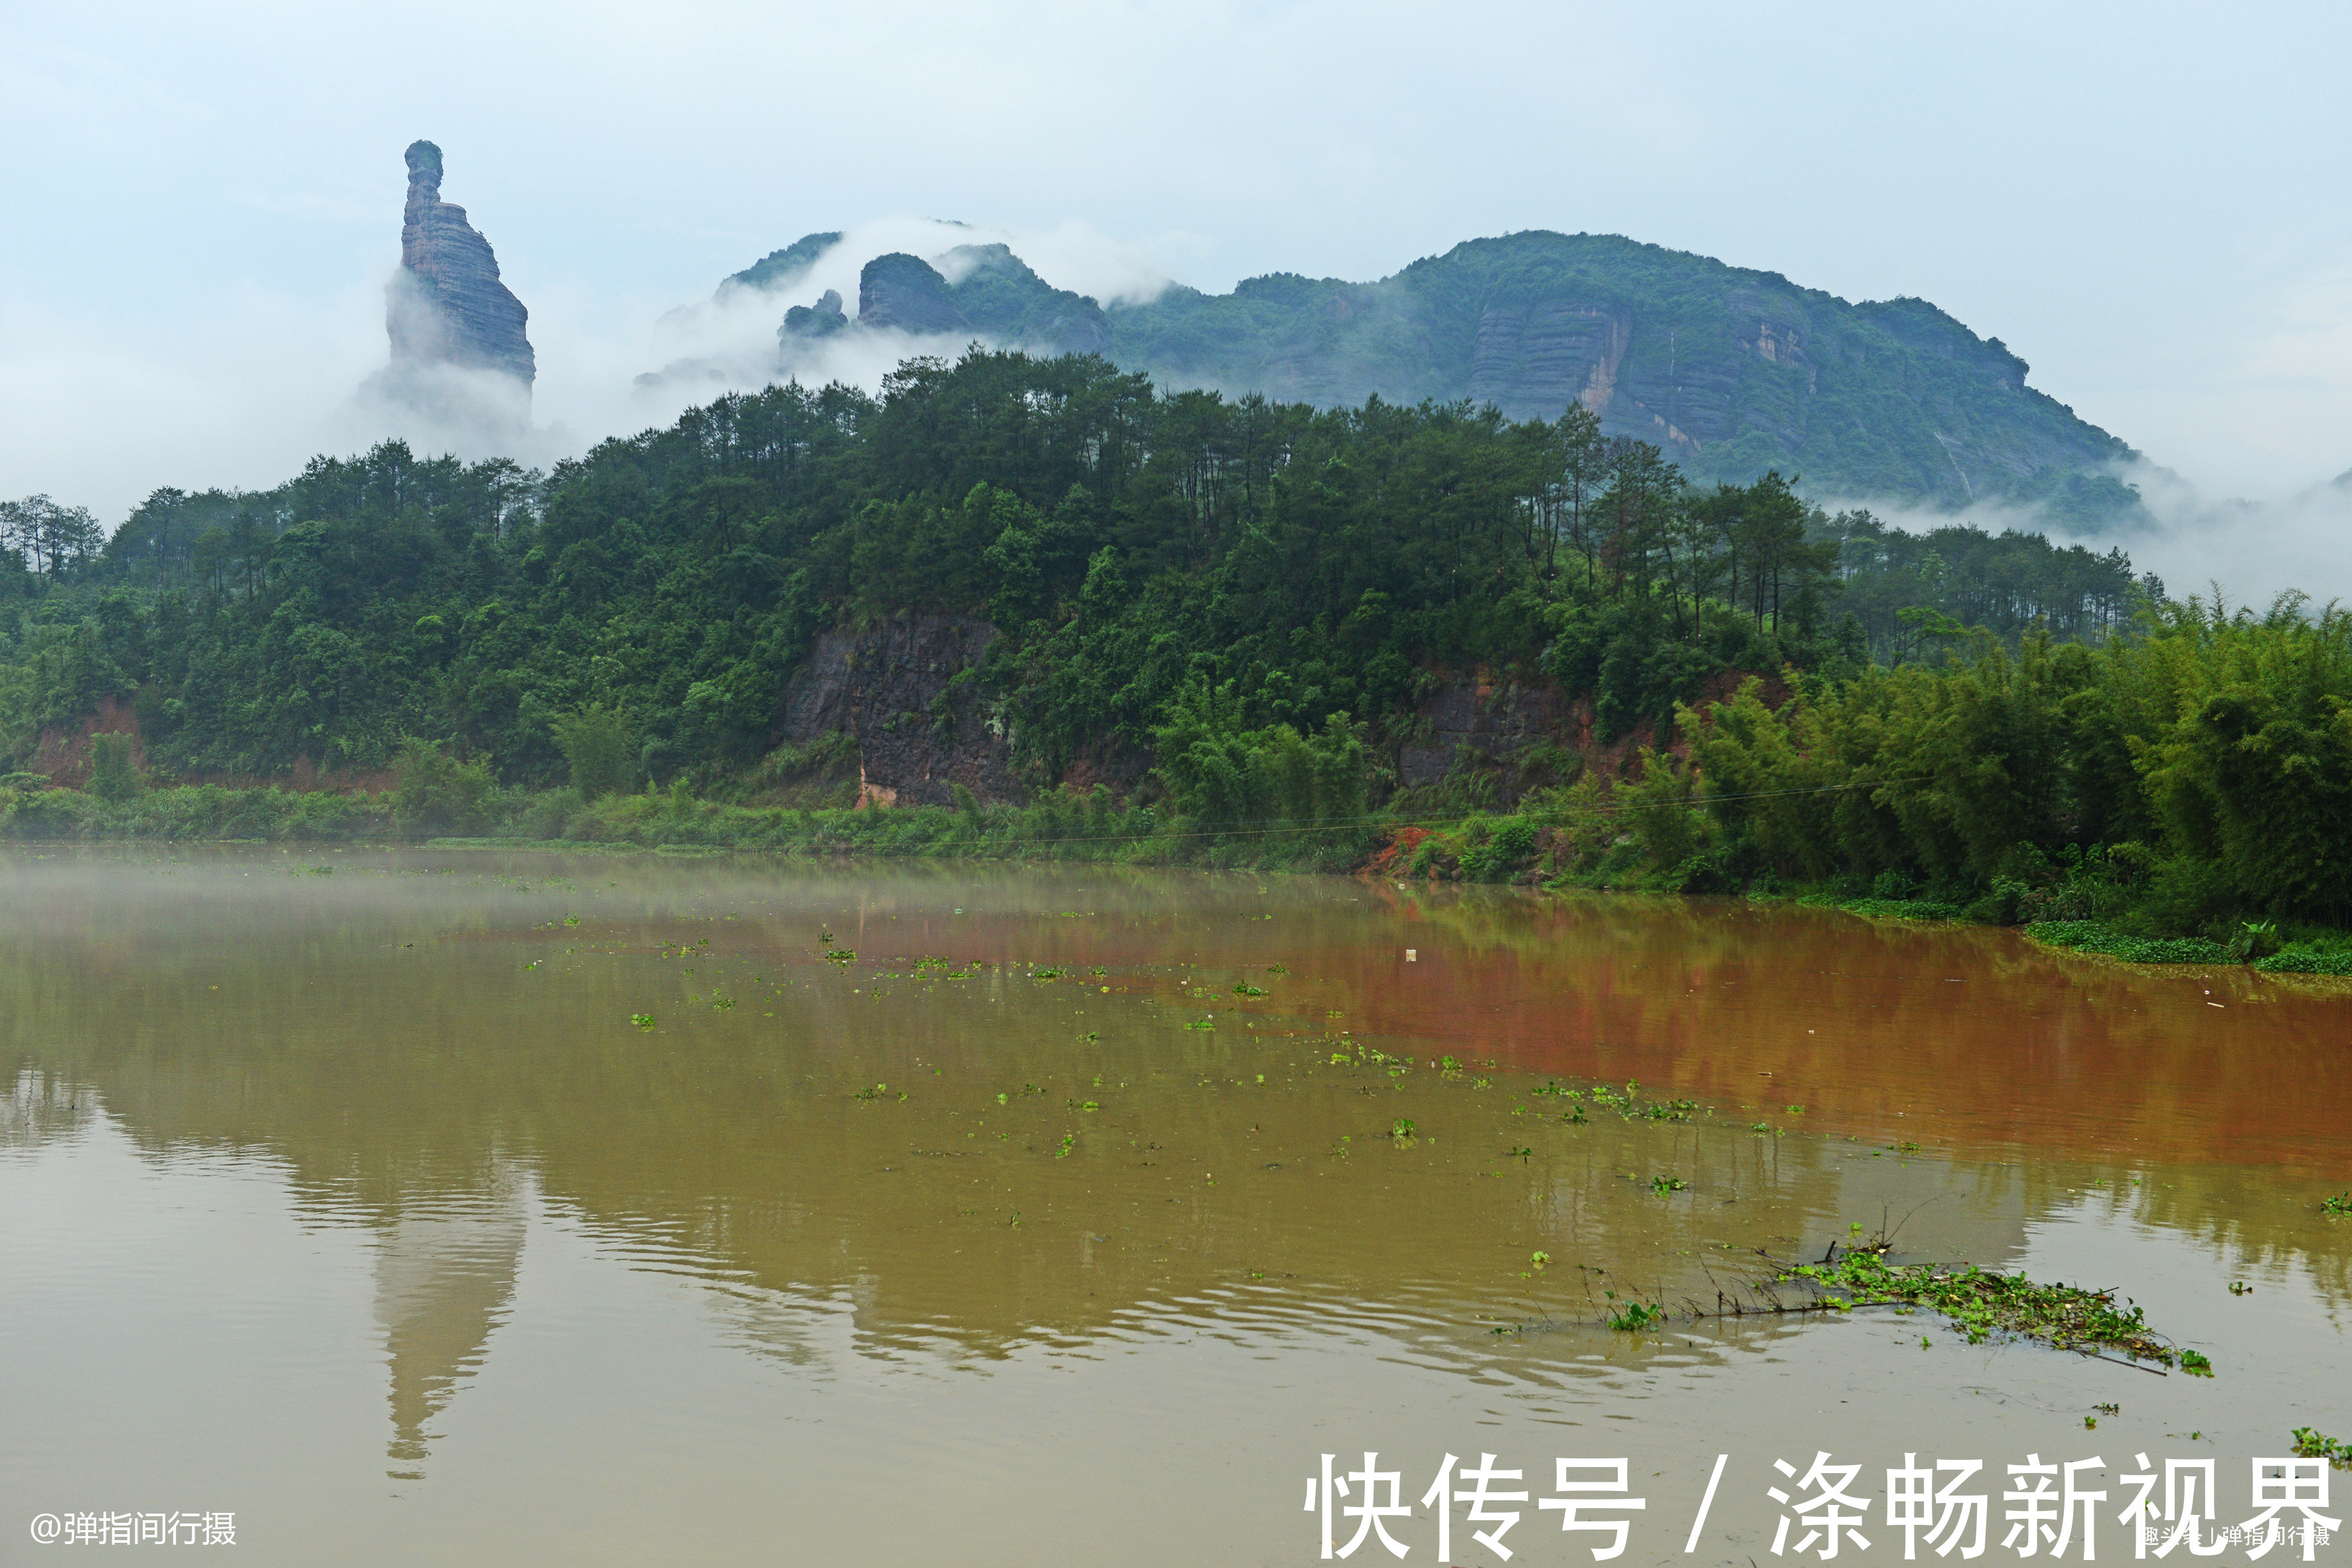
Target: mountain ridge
1732, 371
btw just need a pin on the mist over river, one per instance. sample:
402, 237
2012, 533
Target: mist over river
475, 1207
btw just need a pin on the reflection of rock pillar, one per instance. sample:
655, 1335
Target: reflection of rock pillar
443, 1282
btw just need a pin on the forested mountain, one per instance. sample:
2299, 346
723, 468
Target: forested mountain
1205, 620
1732, 371
1114, 548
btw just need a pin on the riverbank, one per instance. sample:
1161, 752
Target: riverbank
2085, 908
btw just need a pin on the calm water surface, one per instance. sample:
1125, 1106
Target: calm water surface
467, 1208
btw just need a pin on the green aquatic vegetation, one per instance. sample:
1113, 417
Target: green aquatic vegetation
1980, 1304
1270, 969
1244, 988
2341, 1204
2097, 936
1069, 1142
1576, 1117
2306, 958
843, 956
1892, 908
1662, 1186
1634, 1316
1205, 1025
1670, 1110
722, 1003
641, 1020
1402, 1128
2313, 1444
1049, 972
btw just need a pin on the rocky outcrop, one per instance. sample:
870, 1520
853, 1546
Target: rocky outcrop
1482, 723
821, 319
1532, 358
907, 292
447, 306
894, 688
976, 290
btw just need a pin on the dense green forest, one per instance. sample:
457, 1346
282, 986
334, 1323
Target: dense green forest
1252, 598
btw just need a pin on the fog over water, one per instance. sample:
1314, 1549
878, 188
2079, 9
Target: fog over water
204, 288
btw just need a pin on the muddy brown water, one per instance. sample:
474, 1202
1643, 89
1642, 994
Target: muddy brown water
347, 1192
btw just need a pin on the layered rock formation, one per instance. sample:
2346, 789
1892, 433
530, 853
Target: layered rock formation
447, 306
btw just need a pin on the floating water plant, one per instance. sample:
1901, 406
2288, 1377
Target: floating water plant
1981, 1304
641, 1020
1634, 1316
2313, 1444
1662, 1187
2341, 1204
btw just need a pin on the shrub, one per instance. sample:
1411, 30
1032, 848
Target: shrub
439, 793
600, 745
2303, 958
113, 777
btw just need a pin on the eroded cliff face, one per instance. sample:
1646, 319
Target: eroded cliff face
893, 689
447, 306
1483, 723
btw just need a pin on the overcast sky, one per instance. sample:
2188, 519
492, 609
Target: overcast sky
2146, 201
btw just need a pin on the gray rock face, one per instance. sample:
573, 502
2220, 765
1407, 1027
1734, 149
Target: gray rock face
892, 688
907, 292
1493, 723
445, 303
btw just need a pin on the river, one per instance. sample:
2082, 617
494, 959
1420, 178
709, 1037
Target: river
470, 1207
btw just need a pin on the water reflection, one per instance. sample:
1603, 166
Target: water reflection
444, 1282
1078, 1132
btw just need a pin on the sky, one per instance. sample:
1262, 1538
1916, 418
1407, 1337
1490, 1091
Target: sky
2146, 202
